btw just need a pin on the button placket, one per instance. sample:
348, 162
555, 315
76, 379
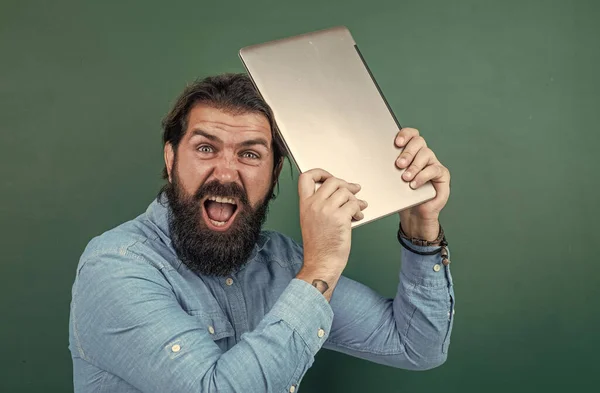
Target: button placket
237, 304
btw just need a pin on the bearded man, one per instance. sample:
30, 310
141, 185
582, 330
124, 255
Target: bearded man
193, 296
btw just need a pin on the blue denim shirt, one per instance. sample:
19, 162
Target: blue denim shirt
142, 321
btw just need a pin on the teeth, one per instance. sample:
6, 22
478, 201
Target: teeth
217, 223
221, 199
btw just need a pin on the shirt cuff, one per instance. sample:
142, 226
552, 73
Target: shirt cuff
306, 311
425, 270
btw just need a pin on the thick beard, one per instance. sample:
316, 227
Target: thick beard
202, 250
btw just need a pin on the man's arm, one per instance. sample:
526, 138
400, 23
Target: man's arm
411, 331
127, 321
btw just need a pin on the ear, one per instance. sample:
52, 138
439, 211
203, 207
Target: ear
169, 154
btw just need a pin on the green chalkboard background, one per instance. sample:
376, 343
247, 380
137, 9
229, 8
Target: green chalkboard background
506, 92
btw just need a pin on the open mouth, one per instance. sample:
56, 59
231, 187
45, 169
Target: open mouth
219, 212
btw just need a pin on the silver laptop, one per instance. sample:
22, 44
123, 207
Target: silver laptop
332, 115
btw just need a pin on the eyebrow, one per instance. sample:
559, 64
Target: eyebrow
256, 141
206, 135
247, 143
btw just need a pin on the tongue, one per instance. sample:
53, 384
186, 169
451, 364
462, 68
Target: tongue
219, 211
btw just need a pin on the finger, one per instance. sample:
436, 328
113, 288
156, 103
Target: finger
358, 216
405, 135
333, 184
442, 195
434, 173
352, 210
423, 158
442, 189
308, 179
363, 204
340, 197
409, 152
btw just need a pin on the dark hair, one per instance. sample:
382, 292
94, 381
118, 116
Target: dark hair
230, 92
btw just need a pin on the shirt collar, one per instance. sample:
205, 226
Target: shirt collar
158, 216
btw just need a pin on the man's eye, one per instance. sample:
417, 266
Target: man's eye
205, 149
251, 155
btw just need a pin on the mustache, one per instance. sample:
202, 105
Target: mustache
214, 187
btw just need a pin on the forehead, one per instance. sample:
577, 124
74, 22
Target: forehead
228, 123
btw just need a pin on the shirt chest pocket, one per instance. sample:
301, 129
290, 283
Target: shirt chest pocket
217, 326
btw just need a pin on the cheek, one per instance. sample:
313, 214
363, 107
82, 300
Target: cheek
190, 175
258, 185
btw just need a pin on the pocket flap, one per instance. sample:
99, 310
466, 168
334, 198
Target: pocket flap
216, 324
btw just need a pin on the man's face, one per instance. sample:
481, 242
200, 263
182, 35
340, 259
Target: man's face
222, 177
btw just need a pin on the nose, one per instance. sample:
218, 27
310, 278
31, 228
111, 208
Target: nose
225, 171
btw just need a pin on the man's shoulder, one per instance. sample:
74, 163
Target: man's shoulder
280, 248
131, 240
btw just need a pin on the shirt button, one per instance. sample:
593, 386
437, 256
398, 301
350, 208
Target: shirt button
321, 333
229, 281
176, 348
211, 330
436, 267
292, 389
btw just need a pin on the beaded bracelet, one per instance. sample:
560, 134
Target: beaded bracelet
441, 241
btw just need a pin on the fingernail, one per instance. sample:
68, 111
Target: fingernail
413, 184
401, 141
365, 202
402, 161
407, 174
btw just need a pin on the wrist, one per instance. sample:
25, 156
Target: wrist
440, 242
421, 229
324, 281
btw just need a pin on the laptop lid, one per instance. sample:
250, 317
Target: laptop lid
332, 115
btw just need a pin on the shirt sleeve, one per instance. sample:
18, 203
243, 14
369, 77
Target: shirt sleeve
127, 321
411, 331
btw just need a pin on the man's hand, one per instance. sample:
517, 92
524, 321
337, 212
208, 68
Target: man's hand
325, 219
422, 166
